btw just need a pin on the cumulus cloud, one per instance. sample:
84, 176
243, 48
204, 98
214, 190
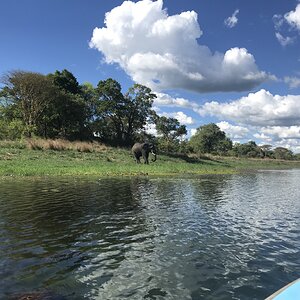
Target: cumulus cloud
167, 100
292, 20
181, 117
261, 116
258, 109
281, 136
232, 20
284, 41
293, 82
293, 17
233, 131
282, 132
162, 51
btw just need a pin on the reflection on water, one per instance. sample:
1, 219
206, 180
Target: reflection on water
214, 237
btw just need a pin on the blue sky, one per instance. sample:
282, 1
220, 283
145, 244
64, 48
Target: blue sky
233, 62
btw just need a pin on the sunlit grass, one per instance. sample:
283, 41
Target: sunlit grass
78, 159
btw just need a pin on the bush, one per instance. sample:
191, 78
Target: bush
12, 130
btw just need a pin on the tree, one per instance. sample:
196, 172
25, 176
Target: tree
70, 108
171, 130
249, 149
66, 81
119, 117
29, 94
266, 150
109, 111
283, 153
297, 156
210, 139
139, 113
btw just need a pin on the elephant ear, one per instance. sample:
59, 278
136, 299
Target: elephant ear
145, 146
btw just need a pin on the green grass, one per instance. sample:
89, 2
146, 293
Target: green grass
21, 161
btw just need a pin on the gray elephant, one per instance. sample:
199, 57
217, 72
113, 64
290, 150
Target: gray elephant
143, 150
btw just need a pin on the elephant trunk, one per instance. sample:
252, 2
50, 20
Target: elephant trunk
154, 155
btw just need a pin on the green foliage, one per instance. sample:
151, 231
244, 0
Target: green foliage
118, 117
46, 106
266, 151
139, 100
210, 139
170, 128
12, 130
249, 149
170, 131
29, 95
66, 81
283, 153
69, 111
57, 106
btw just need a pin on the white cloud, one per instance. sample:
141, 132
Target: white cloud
293, 82
278, 21
151, 129
162, 51
233, 131
282, 132
181, 117
232, 20
258, 109
270, 119
281, 136
284, 41
293, 17
166, 100
265, 138
193, 131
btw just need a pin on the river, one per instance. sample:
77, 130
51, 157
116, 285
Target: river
201, 237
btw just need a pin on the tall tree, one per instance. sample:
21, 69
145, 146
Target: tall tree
70, 107
66, 81
170, 129
30, 94
210, 139
249, 149
139, 100
283, 153
110, 109
118, 116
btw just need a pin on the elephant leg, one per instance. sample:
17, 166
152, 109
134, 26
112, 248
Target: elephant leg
145, 157
137, 158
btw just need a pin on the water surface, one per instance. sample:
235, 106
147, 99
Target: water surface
208, 237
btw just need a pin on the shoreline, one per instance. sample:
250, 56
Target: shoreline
117, 162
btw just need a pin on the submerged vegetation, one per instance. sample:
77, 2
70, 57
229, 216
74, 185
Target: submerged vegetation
37, 157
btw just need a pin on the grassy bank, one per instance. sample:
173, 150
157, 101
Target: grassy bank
53, 158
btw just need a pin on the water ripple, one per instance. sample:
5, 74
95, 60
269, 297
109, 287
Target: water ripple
214, 237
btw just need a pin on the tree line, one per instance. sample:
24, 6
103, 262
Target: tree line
57, 106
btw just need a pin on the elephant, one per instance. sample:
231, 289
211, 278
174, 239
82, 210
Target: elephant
143, 150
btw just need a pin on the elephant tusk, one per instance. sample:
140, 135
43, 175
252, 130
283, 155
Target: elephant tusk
154, 154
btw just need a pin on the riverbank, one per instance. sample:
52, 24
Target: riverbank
17, 160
